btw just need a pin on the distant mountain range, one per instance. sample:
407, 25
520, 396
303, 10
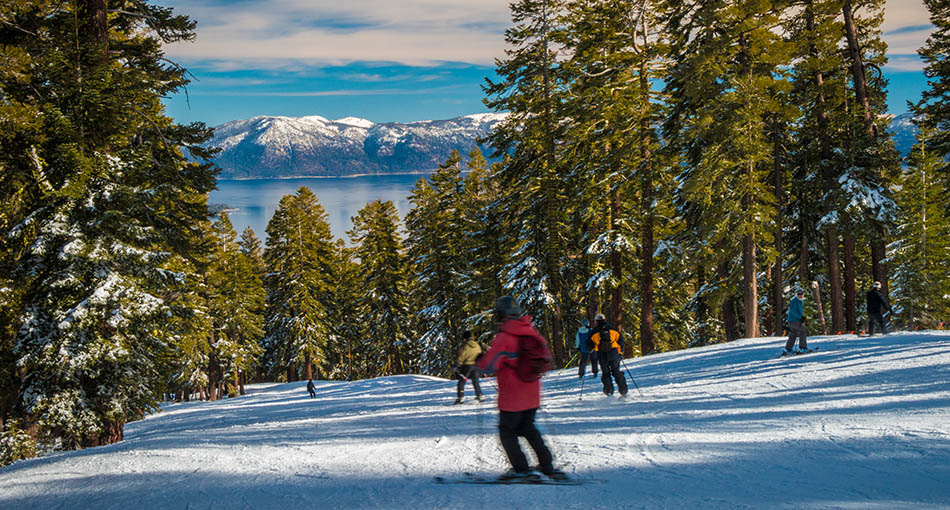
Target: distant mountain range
269, 147
904, 132
273, 147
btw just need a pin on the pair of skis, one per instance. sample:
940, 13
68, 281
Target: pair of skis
470, 478
784, 354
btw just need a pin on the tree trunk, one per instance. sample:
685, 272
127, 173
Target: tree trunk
727, 308
857, 65
834, 280
616, 266
878, 254
803, 275
821, 311
778, 303
308, 367
95, 27
850, 303
750, 291
241, 383
646, 226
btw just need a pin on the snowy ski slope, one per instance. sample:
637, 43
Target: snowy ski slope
862, 424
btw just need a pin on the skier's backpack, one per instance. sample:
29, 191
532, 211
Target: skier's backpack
534, 358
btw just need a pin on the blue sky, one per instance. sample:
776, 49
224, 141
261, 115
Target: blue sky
391, 60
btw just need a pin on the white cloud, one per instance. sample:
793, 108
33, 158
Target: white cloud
900, 19
904, 63
272, 33
283, 33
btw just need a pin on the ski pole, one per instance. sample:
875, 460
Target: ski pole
571, 360
635, 385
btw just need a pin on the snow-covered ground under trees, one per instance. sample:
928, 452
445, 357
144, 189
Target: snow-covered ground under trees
862, 424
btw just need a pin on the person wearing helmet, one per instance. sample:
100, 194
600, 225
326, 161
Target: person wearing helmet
468, 353
518, 400
609, 348
877, 303
796, 324
584, 345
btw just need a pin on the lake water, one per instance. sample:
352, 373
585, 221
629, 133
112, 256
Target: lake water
342, 197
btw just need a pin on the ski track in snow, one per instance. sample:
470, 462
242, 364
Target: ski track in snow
860, 424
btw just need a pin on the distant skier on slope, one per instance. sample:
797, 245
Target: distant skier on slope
518, 400
468, 353
311, 389
584, 346
609, 349
796, 324
877, 303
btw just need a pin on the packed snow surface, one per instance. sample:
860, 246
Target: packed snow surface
861, 424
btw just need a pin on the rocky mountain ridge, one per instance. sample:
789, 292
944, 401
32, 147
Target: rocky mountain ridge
275, 146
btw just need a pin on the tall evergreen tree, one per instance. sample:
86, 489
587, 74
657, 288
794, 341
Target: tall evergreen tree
933, 110
727, 61
921, 251
530, 91
383, 278
299, 259
103, 200
236, 306
436, 249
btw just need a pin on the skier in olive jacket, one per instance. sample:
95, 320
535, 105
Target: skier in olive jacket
467, 370
518, 401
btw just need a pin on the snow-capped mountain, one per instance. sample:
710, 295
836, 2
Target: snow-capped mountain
315, 146
904, 132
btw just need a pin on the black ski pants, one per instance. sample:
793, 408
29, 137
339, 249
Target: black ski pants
610, 367
515, 424
585, 357
471, 373
876, 317
796, 331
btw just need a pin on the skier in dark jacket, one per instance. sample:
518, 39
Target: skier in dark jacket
586, 353
311, 389
467, 370
609, 349
518, 400
877, 303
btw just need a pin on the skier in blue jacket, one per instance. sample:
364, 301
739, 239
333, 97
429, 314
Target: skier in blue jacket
583, 345
796, 324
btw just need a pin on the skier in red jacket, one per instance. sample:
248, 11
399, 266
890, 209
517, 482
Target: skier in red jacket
518, 401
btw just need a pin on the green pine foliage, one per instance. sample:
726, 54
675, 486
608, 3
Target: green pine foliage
727, 62
300, 258
236, 305
921, 251
386, 348
103, 200
531, 173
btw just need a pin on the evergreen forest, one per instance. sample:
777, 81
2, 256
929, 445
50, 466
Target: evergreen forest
679, 166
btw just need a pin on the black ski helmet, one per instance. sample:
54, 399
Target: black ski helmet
507, 307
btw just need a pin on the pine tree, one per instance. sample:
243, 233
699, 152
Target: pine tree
436, 245
933, 110
727, 61
383, 279
531, 172
299, 259
921, 252
236, 305
104, 201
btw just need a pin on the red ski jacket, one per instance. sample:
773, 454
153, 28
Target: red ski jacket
501, 360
